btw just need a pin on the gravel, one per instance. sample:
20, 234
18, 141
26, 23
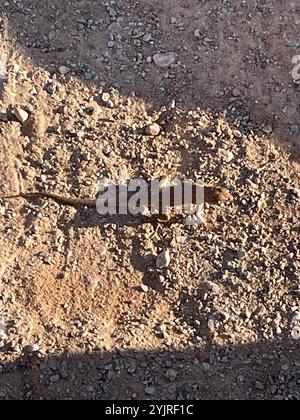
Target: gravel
122, 309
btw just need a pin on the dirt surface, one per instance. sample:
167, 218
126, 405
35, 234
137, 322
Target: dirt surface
88, 315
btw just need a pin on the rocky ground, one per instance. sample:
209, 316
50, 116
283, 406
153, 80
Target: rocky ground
87, 313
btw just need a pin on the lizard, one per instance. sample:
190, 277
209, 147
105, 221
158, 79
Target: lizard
212, 195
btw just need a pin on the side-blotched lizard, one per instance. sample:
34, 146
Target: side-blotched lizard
212, 195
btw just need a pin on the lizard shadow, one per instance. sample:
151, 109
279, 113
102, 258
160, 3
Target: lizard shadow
89, 218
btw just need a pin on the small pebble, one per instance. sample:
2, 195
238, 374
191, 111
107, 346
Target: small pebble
153, 129
21, 114
54, 378
144, 288
259, 386
164, 60
150, 390
163, 260
105, 97
33, 349
63, 70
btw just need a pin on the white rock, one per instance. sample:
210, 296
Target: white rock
153, 129
63, 70
105, 97
296, 333
197, 33
144, 288
163, 329
211, 325
34, 348
164, 60
21, 114
163, 260
230, 156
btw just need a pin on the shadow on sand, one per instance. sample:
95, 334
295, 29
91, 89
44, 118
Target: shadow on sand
264, 370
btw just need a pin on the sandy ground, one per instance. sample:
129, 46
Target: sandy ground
88, 315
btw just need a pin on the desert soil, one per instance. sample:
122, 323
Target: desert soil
87, 313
